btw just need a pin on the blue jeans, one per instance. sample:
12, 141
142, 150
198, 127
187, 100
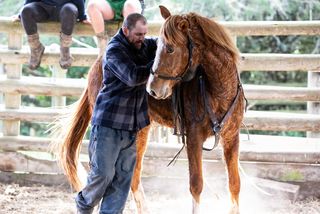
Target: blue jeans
112, 154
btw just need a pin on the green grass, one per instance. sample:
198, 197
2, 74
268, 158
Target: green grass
292, 176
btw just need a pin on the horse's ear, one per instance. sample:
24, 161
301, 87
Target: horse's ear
165, 13
183, 25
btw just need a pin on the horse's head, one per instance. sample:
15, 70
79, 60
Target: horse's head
173, 56
185, 42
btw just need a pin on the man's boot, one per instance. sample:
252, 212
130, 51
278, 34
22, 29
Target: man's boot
65, 57
36, 49
102, 42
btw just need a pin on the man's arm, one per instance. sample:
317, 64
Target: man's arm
126, 70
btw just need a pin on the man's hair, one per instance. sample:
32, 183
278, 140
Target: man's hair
132, 19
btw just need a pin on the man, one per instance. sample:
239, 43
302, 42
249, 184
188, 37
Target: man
120, 111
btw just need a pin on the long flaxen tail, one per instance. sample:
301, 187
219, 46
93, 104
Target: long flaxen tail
73, 125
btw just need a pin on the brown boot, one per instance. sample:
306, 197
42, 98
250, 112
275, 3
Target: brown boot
36, 49
65, 57
102, 42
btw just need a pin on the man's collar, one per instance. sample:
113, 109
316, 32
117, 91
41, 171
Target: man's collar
124, 38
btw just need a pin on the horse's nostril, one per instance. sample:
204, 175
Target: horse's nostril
152, 93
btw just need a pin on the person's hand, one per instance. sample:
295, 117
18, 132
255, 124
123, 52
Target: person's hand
15, 18
86, 21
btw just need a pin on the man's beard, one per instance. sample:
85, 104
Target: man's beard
137, 44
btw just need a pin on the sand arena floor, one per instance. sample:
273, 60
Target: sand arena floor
16, 199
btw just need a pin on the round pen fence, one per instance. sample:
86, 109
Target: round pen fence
262, 156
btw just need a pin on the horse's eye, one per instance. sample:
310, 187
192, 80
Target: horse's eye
169, 49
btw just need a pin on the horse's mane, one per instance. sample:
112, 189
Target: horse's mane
212, 32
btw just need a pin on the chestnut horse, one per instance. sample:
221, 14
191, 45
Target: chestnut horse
196, 55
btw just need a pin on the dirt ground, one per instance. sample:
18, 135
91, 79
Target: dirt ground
59, 200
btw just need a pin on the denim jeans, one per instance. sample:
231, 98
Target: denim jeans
112, 154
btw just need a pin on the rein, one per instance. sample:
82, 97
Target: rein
177, 99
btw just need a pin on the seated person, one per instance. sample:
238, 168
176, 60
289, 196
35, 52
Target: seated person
67, 12
101, 10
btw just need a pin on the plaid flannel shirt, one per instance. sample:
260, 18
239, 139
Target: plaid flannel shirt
122, 101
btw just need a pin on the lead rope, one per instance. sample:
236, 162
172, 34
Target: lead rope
178, 112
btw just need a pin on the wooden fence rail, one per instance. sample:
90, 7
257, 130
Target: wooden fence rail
254, 120
248, 62
247, 28
262, 150
74, 87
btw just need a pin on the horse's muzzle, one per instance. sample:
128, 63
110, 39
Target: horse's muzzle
152, 93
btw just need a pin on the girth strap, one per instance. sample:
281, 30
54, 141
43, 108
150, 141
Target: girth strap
216, 125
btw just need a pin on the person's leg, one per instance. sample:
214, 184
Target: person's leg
68, 18
30, 15
99, 11
104, 148
116, 195
131, 6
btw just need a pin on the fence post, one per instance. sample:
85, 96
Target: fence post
57, 73
1, 97
13, 100
313, 107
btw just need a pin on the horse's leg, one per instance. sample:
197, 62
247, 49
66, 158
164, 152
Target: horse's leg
194, 150
231, 155
136, 185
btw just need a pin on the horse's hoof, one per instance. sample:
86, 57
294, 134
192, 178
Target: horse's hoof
195, 207
234, 209
140, 199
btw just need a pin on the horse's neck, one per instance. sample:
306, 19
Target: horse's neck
221, 71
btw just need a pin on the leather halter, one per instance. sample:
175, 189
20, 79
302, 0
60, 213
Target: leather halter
185, 76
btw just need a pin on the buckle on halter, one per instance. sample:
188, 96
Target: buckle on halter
216, 128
